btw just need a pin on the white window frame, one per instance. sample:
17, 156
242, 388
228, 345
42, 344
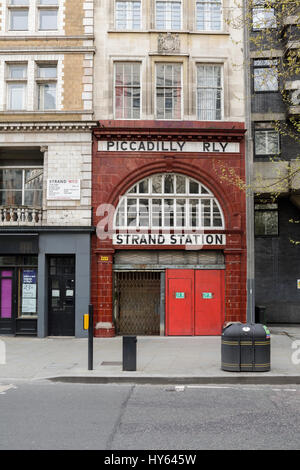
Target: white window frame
33, 8
270, 66
129, 18
40, 81
259, 8
114, 87
187, 197
181, 86
24, 168
209, 64
40, 8
12, 81
266, 132
17, 7
205, 20
170, 19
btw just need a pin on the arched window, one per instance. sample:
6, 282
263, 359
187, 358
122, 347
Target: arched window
170, 201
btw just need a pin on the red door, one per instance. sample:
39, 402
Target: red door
209, 302
194, 302
180, 302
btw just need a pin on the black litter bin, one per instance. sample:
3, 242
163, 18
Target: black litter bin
246, 348
129, 352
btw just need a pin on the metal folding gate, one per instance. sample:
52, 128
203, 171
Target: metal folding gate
137, 307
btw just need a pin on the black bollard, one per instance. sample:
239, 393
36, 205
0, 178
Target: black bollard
129, 352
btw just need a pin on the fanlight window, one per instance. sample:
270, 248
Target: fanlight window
169, 201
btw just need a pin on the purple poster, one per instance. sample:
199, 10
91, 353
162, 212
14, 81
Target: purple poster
6, 298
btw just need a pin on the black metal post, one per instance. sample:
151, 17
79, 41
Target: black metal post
91, 337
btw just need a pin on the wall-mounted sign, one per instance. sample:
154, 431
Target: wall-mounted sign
180, 295
298, 283
29, 291
62, 189
207, 295
167, 146
104, 258
169, 239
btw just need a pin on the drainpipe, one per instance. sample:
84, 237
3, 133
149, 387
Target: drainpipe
249, 175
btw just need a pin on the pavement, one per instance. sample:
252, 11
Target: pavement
160, 360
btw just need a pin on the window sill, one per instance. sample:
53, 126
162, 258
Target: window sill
165, 31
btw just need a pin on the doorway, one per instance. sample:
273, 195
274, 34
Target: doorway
7, 302
137, 303
194, 302
61, 296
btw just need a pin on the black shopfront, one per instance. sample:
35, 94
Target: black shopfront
18, 283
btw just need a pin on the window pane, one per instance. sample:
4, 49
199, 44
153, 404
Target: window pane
168, 15
33, 198
209, 15
47, 2
264, 18
144, 213
180, 184
169, 213
128, 15
157, 184
156, 212
265, 79
266, 223
47, 71
48, 19
169, 184
180, 212
19, 20
131, 212
209, 79
33, 179
47, 96
16, 96
17, 71
10, 198
19, 2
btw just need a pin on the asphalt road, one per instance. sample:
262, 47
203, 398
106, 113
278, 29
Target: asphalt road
56, 416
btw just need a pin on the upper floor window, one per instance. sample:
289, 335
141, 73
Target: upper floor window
265, 75
168, 15
209, 92
48, 13
16, 86
263, 15
266, 219
18, 15
46, 83
266, 140
127, 90
128, 15
168, 91
21, 187
209, 15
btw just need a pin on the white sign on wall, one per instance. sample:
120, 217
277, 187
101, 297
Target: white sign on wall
167, 146
192, 239
62, 189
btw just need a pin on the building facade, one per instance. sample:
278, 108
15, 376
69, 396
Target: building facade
274, 95
46, 112
169, 254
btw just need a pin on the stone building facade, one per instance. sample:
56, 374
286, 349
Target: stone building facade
46, 117
169, 256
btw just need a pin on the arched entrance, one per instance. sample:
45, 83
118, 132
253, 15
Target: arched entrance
177, 292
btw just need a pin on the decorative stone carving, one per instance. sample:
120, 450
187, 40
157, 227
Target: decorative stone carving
168, 43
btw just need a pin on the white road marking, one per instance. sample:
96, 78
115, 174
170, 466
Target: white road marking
5, 388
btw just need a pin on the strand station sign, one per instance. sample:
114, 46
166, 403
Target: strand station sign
167, 146
188, 239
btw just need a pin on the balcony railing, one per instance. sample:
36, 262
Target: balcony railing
20, 215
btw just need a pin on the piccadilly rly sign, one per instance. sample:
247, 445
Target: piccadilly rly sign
167, 146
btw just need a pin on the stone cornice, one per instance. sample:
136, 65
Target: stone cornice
48, 126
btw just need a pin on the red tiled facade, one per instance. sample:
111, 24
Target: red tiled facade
114, 173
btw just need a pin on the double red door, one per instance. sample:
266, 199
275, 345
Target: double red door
194, 302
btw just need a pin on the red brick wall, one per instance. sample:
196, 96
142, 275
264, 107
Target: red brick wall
114, 174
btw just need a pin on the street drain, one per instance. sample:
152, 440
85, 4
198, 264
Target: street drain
111, 363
